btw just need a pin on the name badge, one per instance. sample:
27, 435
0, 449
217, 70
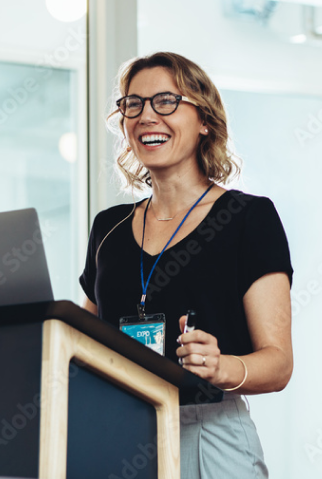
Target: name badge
149, 331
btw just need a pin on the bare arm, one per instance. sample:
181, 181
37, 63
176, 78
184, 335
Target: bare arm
268, 310
90, 306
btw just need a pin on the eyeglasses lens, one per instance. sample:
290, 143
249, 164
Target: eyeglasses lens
131, 106
164, 104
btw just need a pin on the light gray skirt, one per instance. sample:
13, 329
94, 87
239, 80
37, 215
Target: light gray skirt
220, 441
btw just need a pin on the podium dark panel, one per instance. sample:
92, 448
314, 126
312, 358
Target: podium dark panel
38, 341
111, 433
20, 366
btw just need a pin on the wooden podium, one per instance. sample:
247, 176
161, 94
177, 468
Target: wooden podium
79, 399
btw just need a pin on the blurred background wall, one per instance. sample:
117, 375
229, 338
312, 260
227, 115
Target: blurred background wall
57, 71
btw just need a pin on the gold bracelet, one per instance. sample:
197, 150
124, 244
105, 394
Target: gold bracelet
245, 376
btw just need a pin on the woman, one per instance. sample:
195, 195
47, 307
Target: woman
225, 256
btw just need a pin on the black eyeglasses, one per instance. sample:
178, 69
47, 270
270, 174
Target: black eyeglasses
164, 103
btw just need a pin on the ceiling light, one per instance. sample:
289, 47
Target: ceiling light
301, 38
68, 147
67, 10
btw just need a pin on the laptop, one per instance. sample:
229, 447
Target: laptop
24, 276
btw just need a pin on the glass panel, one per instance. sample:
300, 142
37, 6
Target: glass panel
42, 130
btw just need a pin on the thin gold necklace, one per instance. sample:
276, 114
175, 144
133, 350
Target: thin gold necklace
172, 218
163, 219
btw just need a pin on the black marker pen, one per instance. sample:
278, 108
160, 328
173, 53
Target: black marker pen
189, 326
190, 323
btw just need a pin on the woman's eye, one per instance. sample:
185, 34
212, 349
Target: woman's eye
166, 100
133, 104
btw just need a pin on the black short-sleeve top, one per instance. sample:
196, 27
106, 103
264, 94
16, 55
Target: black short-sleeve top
240, 240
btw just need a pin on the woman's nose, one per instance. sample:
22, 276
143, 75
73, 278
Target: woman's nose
148, 115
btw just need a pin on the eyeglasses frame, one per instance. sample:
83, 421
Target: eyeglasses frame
151, 98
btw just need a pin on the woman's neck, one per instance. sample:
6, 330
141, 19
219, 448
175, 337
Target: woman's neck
175, 194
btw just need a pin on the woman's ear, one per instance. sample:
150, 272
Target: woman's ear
204, 130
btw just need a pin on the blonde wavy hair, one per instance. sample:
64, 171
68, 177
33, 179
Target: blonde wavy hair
215, 159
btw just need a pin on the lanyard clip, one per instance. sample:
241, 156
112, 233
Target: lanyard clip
141, 307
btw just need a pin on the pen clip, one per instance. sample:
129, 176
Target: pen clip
191, 320
190, 323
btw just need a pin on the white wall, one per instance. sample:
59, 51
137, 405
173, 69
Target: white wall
272, 90
228, 47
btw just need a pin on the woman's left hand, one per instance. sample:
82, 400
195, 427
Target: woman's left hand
269, 367
199, 353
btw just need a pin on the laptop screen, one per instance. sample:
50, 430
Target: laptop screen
24, 276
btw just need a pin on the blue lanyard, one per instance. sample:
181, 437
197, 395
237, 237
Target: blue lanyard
141, 306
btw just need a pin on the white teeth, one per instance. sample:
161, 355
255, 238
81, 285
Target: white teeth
155, 139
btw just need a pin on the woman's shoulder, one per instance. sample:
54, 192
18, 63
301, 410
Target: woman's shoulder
113, 211
248, 210
258, 214
107, 218
246, 198
112, 215
246, 201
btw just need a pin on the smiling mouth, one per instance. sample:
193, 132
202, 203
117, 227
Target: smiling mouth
154, 140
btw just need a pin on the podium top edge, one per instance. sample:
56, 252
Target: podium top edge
192, 388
